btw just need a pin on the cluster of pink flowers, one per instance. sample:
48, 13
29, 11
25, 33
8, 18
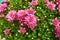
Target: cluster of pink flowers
50, 5
25, 17
56, 23
34, 3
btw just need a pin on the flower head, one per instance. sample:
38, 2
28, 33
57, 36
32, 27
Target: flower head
57, 30
11, 15
2, 15
30, 21
51, 5
57, 1
2, 7
55, 21
6, 31
22, 30
21, 14
30, 11
59, 8
34, 3
45, 1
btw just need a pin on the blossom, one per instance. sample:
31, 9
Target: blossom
30, 21
6, 31
55, 21
2, 7
2, 15
57, 30
22, 30
21, 14
57, 1
59, 8
33, 3
30, 11
11, 15
51, 5
45, 1
27, 18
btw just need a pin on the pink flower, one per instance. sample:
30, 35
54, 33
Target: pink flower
2, 7
45, 1
30, 21
11, 15
21, 14
2, 15
22, 30
30, 11
59, 8
57, 30
33, 3
57, 1
27, 18
55, 21
6, 31
51, 6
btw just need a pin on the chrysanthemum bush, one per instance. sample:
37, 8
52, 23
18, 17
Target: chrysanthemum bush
30, 19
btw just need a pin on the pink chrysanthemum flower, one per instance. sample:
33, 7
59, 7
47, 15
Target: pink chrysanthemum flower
59, 8
11, 15
57, 1
30, 21
22, 30
55, 21
45, 1
27, 18
6, 31
21, 14
31, 11
2, 7
34, 3
2, 15
57, 30
51, 6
